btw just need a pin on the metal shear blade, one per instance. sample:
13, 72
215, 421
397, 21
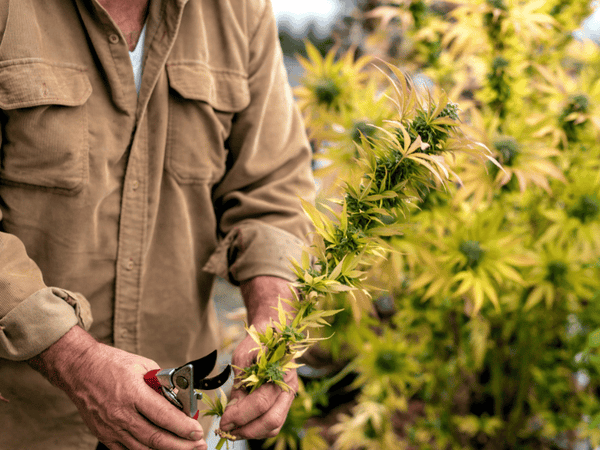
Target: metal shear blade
203, 367
209, 384
180, 385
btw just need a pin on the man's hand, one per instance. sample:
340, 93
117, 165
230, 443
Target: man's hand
107, 386
261, 414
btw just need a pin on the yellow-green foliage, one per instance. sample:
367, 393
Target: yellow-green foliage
492, 263
470, 200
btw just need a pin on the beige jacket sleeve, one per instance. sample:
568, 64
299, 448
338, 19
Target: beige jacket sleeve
258, 201
32, 315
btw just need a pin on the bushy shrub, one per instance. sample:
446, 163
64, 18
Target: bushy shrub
488, 268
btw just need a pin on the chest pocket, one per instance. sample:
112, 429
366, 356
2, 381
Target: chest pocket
44, 125
202, 105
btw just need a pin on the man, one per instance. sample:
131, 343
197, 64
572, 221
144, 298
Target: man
122, 193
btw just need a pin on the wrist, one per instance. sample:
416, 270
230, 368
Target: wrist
62, 357
262, 295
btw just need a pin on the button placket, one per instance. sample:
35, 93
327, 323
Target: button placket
134, 205
131, 235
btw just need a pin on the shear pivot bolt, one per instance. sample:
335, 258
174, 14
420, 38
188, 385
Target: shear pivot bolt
182, 382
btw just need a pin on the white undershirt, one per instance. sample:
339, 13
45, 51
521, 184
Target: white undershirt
136, 59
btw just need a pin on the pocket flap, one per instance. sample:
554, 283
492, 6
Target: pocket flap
224, 90
34, 82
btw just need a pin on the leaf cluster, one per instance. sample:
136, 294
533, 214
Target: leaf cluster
481, 222
489, 256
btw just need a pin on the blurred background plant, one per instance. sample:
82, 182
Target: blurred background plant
482, 330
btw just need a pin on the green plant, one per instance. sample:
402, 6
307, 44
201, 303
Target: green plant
495, 276
406, 158
490, 257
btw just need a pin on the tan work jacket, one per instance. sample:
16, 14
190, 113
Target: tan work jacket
117, 209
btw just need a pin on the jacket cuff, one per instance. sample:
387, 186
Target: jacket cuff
40, 320
255, 249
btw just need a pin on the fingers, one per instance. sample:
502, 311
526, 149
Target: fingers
261, 414
155, 437
124, 412
127, 427
161, 425
154, 441
116, 446
245, 354
252, 418
163, 414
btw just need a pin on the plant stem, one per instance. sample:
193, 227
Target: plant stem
496, 381
526, 349
330, 382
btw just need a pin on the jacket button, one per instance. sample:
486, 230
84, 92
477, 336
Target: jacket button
135, 185
114, 39
129, 264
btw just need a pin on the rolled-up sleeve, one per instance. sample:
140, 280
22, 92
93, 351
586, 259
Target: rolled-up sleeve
32, 315
258, 201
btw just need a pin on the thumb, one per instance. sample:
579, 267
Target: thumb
245, 353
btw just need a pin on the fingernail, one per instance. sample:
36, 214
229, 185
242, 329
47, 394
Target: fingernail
196, 435
227, 428
233, 402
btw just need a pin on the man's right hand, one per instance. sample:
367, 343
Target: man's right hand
107, 386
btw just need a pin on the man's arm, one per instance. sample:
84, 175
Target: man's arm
263, 413
260, 214
107, 386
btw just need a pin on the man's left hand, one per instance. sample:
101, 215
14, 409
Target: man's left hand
261, 414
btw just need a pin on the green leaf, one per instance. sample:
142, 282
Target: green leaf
344, 216
253, 334
595, 360
595, 423
381, 196
268, 333
469, 425
478, 295
281, 313
251, 379
312, 213
337, 270
312, 51
278, 353
594, 339
387, 230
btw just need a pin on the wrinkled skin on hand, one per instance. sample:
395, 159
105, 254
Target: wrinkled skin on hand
107, 386
261, 414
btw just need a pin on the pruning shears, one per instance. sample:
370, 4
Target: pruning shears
182, 385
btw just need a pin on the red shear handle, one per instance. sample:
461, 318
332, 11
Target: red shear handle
152, 381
